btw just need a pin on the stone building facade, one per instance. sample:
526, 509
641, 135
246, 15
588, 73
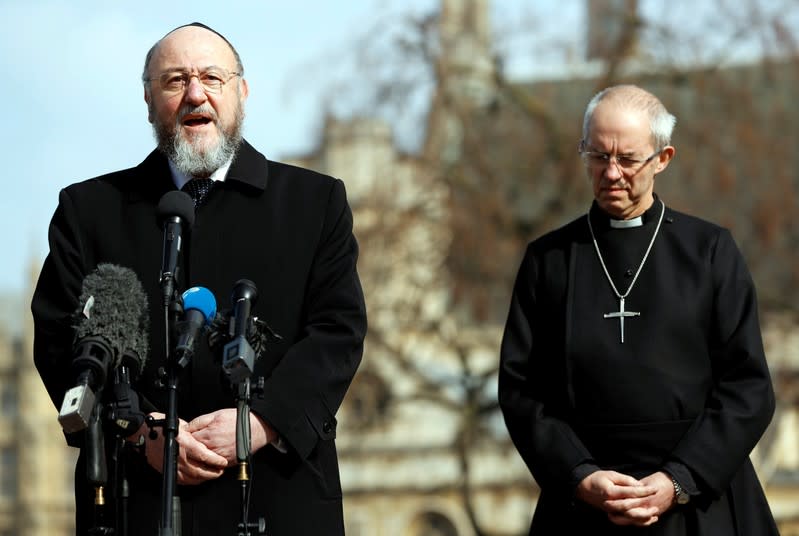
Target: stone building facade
36, 465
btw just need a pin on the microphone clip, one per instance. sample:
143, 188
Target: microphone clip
239, 353
238, 359
124, 411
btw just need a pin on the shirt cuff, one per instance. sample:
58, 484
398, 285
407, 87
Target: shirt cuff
280, 445
683, 476
580, 472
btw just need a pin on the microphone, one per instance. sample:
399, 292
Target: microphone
110, 331
238, 357
199, 309
125, 409
174, 209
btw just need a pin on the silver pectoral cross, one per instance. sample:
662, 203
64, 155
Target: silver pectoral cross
621, 314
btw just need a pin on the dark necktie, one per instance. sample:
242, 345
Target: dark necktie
198, 189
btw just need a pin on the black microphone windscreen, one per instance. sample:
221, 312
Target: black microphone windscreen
113, 305
245, 289
176, 203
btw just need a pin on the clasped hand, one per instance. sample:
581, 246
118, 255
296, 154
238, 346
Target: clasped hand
626, 500
207, 445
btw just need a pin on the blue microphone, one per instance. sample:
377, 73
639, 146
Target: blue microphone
199, 309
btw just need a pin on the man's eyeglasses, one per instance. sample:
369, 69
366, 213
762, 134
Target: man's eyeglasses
212, 80
599, 159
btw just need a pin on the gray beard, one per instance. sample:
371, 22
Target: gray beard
188, 157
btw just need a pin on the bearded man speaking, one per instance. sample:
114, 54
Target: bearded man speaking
286, 230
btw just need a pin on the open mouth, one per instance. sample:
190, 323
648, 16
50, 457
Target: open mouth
196, 120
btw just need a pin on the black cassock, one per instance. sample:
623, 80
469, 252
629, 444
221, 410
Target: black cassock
688, 391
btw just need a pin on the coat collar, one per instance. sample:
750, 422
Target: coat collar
249, 167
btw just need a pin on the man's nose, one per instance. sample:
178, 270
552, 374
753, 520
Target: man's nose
195, 92
612, 170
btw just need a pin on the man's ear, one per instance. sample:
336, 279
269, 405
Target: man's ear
665, 157
147, 98
245, 90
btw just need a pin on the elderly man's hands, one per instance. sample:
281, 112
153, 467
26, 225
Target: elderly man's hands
196, 462
626, 500
217, 431
207, 444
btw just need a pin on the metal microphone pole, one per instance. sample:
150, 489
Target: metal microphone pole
243, 370
170, 503
199, 308
125, 417
238, 363
97, 469
243, 448
175, 209
170, 507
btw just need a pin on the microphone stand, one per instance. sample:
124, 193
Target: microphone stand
238, 363
243, 448
97, 468
174, 209
170, 524
124, 417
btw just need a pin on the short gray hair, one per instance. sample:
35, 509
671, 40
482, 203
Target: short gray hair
661, 122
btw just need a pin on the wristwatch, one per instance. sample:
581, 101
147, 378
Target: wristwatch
140, 444
680, 497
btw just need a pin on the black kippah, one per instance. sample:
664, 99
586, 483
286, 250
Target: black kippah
201, 25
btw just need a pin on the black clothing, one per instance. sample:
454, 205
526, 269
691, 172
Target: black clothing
688, 391
287, 229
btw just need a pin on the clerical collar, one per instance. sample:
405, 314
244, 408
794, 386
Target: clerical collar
180, 178
627, 224
604, 220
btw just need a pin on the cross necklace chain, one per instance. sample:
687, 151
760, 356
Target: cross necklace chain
621, 314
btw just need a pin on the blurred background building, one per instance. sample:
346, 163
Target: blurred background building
442, 228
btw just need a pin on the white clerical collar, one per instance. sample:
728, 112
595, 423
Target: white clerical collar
627, 224
180, 178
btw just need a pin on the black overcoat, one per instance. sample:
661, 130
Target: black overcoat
287, 229
689, 387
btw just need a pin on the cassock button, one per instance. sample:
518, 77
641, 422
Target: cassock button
628, 273
327, 427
